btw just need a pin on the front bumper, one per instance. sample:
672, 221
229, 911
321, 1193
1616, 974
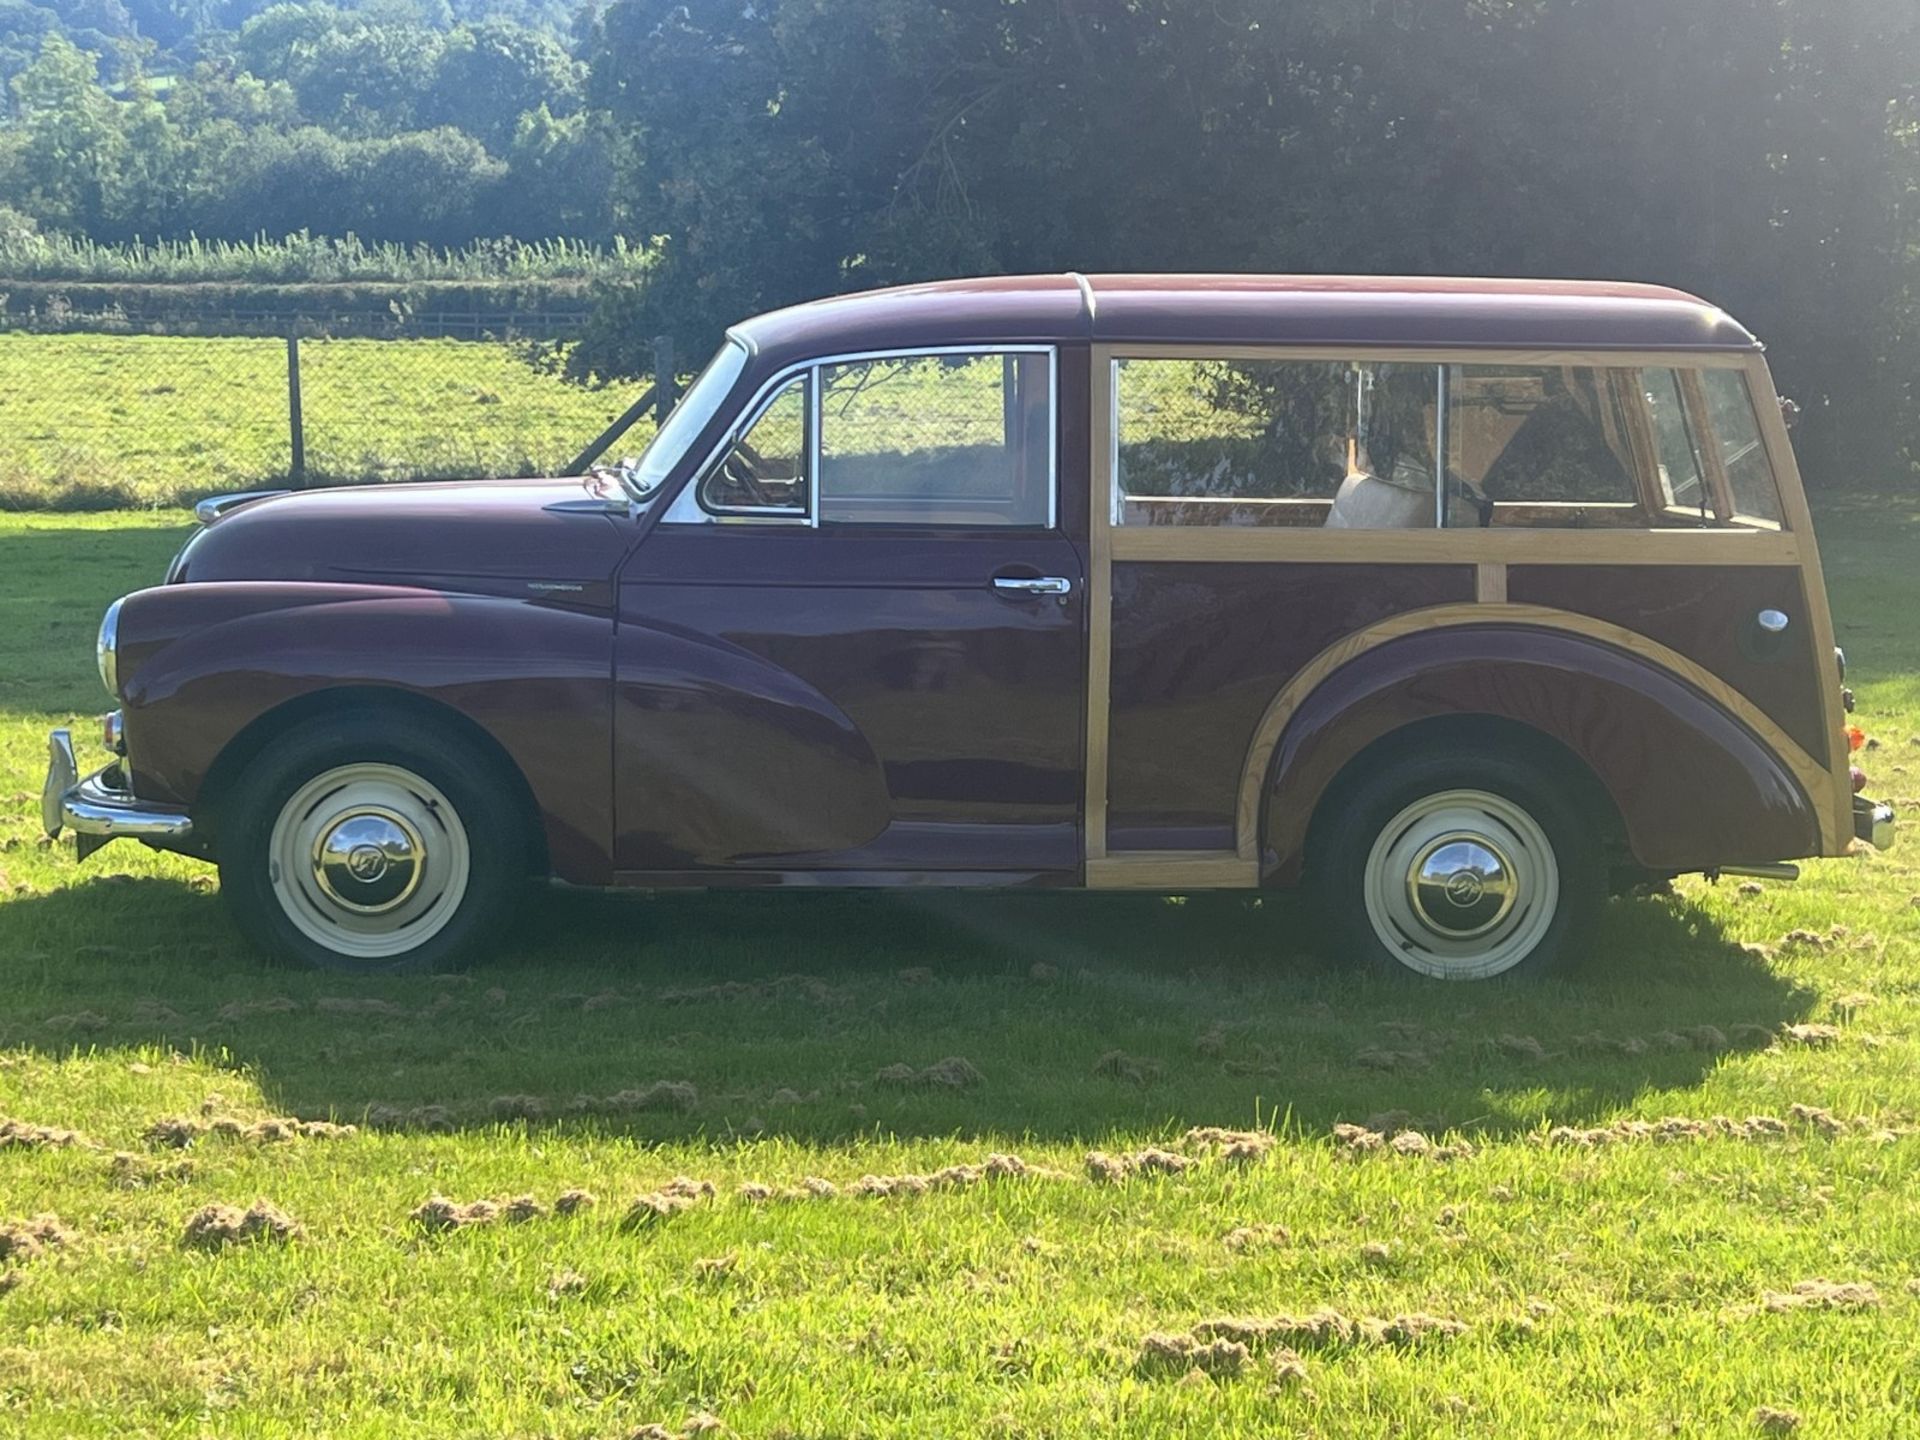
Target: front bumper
100, 808
1873, 822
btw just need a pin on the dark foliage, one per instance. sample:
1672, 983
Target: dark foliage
1765, 153
1761, 152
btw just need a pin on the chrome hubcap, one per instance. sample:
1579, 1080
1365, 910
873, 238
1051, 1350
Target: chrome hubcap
1460, 886
369, 861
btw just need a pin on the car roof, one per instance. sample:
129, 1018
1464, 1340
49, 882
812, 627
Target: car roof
1428, 312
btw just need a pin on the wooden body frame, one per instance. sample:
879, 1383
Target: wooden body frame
1825, 777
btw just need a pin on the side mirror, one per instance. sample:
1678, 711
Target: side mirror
1789, 411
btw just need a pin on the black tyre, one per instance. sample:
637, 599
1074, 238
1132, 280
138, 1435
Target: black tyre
1456, 866
373, 844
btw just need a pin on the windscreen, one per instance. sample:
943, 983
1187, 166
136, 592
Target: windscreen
690, 416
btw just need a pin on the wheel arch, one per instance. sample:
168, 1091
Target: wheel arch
407, 706
1694, 776
1480, 733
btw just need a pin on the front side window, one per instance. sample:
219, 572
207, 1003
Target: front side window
764, 471
957, 440
953, 440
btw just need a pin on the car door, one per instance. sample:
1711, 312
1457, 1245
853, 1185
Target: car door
876, 628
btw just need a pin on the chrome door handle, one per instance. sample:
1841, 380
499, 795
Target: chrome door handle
1033, 585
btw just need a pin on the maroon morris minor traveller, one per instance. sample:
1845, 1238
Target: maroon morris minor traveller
1459, 600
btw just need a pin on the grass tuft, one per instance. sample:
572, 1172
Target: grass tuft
23, 1239
215, 1226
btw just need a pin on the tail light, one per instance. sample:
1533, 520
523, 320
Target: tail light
1859, 779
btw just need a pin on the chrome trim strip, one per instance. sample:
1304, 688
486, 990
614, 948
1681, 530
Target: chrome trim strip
675, 515
812, 441
1088, 305
1053, 441
106, 648
91, 807
622, 506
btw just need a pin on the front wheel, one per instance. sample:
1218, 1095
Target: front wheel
371, 846
1457, 868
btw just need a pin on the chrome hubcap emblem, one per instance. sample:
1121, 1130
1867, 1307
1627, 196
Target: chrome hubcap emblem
368, 861
1460, 885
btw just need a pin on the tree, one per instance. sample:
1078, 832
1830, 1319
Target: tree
63, 165
491, 74
1753, 150
556, 182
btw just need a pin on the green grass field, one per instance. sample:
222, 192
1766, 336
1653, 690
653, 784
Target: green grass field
92, 421
1707, 1278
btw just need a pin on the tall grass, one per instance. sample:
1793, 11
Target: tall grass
306, 258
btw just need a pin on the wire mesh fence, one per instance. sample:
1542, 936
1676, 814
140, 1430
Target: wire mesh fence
90, 420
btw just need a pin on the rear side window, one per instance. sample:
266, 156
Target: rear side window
1346, 444
1539, 446
1678, 462
959, 440
1365, 444
1743, 454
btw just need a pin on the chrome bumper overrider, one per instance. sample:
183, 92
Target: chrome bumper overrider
96, 809
1873, 822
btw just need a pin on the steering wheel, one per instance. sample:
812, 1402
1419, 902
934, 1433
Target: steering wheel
1461, 487
740, 470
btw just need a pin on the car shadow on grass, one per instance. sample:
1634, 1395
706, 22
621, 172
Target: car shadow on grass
825, 1016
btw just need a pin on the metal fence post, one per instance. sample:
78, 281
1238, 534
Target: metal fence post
296, 429
663, 396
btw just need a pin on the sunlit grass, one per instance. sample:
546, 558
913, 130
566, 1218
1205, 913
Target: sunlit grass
1619, 1289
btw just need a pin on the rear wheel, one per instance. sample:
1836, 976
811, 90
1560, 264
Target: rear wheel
1457, 867
371, 845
